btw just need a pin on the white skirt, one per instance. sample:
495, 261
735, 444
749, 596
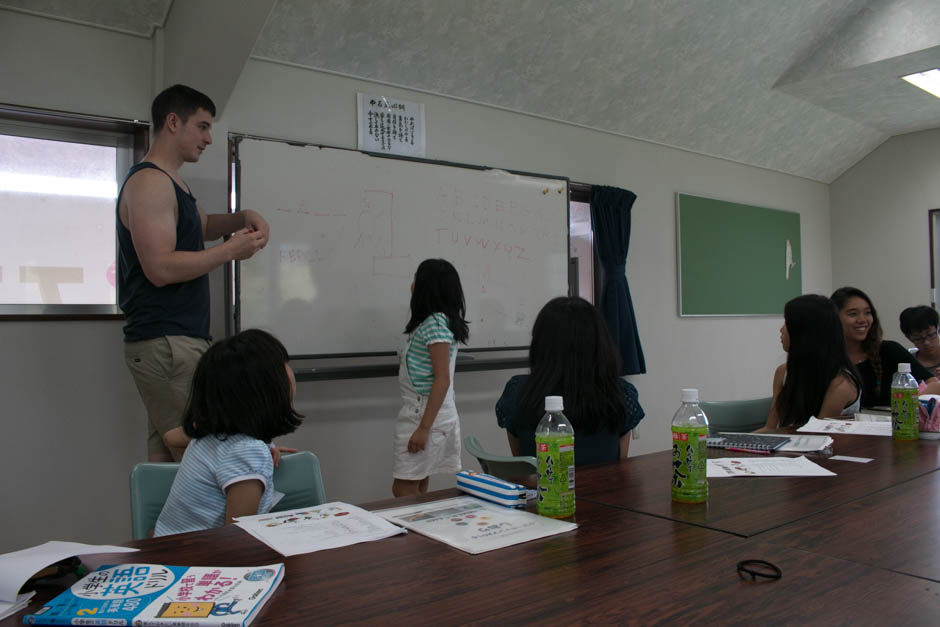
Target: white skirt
442, 452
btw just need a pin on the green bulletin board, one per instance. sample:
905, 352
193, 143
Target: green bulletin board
736, 259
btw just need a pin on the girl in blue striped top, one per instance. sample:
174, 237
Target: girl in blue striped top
241, 399
427, 432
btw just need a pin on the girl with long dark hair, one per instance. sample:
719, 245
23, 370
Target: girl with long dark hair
818, 378
427, 432
572, 356
876, 359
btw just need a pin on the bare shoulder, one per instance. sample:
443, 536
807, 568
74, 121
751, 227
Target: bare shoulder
843, 387
148, 190
779, 374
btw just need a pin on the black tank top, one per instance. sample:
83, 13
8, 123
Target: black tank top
174, 309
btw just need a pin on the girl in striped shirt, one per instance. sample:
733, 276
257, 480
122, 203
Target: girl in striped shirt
241, 399
427, 432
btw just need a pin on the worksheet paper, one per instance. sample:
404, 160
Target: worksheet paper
473, 525
850, 427
18, 566
765, 467
309, 529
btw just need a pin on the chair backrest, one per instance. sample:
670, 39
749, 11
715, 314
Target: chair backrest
150, 485
502, 466
736, 416
297, 475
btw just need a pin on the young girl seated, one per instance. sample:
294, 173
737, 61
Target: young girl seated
818, 378
241, 400
572, 356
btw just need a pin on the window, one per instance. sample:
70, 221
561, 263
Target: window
582, 276
59, 178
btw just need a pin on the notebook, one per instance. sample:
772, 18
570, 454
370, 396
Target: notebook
747, 441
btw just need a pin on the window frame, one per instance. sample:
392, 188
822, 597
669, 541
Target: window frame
67, 126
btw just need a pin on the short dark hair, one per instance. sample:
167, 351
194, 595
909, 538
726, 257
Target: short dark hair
919, 318
573, 356
181, 100
438, 290
241, 387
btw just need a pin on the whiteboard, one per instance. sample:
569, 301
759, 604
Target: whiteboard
348, 231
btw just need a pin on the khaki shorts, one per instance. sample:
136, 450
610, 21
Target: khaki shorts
163, 371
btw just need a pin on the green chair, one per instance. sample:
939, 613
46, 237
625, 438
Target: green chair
736, 416
297, 475
150, 485
502, 466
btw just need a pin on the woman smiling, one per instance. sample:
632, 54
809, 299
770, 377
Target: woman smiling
876, 359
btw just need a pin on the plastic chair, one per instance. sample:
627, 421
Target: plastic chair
502, 466
736, 416
150, 485
297, 475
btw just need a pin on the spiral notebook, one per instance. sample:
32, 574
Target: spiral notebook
747, 441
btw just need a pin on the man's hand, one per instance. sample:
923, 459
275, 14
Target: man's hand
254, 222
244, 243
419, 439
277, 451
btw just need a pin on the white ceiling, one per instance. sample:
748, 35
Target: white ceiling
806, 87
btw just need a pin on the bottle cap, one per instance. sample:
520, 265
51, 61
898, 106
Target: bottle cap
554, 403
689, 395
904, 367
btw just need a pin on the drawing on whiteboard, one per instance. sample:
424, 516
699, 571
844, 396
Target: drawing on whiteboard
377, 229
790, 261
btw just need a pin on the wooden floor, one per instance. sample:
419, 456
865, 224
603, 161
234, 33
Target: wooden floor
859, 548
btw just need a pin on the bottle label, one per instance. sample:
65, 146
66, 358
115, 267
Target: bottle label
556, 475
689, 480
904, 414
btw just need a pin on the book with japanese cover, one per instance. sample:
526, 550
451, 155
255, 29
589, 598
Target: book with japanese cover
151, 594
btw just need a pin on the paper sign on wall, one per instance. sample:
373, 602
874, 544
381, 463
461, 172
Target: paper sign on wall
390, 126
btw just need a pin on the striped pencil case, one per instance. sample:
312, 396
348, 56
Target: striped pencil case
492, 488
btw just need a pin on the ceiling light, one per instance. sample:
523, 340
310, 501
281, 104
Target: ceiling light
928, 81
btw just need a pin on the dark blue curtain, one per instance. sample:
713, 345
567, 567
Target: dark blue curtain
610, 220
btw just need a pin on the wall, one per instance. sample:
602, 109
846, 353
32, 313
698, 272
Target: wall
74, 421
880, 240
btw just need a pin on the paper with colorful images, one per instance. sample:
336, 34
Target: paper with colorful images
18, 566
849, 427
473, 525
154, 594
765, 467
309, 529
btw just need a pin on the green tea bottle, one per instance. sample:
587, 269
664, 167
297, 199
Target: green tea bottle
904, 404
554, 449
689, 430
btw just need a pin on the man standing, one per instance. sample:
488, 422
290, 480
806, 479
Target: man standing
163, 266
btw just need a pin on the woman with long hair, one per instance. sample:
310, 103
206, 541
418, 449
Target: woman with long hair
572, 356
818, 378
876, 359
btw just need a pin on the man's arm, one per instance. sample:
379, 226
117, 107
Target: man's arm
218, 225
151, 219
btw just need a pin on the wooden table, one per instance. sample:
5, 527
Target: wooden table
896, 529
841, 553
748, 506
